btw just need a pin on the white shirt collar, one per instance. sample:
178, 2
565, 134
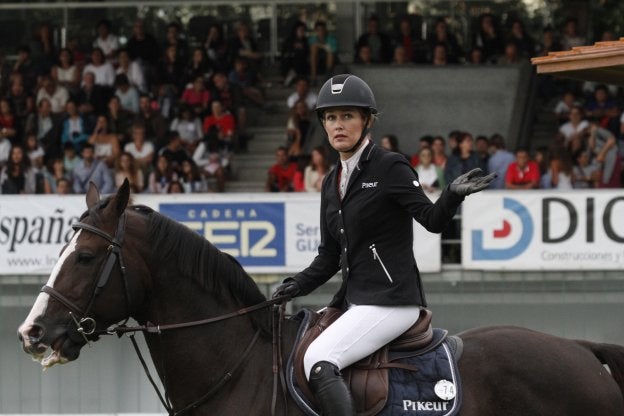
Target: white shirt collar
350, 164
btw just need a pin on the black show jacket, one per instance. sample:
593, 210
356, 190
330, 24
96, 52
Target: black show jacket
369, 233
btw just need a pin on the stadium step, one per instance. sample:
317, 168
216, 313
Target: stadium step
268, 127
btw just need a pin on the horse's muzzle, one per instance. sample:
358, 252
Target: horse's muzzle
38, 337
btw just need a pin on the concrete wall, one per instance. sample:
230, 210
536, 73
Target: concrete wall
420, 100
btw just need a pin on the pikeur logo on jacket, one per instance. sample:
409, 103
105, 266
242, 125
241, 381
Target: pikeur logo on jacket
368, 234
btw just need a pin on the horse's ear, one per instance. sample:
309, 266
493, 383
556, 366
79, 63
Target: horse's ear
120, 202
93, 195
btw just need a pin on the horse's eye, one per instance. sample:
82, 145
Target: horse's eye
85, 257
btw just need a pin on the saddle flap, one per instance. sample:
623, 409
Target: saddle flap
369, 380
318, 323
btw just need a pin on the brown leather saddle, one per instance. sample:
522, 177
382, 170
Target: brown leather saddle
368, 379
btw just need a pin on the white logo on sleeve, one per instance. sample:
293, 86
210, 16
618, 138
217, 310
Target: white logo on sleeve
416, 184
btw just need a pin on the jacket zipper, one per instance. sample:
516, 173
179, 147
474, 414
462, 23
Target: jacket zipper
376, 257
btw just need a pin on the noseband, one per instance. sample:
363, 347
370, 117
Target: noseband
86, 325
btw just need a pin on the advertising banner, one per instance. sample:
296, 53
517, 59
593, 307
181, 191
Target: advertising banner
543, 230
34, 229
267, 233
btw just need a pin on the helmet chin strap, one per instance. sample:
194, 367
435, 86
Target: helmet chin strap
365, 132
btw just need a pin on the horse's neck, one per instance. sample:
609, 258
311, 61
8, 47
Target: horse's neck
191, 361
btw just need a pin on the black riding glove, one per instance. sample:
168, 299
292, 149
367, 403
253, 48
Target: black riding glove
471, 182
290, 287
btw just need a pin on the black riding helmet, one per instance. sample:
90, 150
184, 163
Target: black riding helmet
346, 90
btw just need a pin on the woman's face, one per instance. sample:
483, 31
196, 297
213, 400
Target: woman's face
31, 142
199, 84
114, 105
301, 31
71, 108
576, 115
466, 144
101, 122
162, 163
124, 58
58, 165
385, 143
96, 57
17, 155
317, 158
138, 135
425, 157
5, 108
124, 161
64, 56
437, 146
583, 159
344, 126
197, 55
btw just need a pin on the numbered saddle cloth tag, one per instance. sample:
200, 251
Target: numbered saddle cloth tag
433, 390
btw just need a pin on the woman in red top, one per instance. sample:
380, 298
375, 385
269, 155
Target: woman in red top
220, 126
197, 96
7, 121
523, 173
282, 174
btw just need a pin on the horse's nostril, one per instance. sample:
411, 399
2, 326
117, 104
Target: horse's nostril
35, 333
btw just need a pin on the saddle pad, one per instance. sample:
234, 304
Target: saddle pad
433, 390
303, 317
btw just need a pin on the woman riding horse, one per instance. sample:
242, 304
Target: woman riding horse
367, 206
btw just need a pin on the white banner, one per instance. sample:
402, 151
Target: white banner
33, 229
267, 233
543, 230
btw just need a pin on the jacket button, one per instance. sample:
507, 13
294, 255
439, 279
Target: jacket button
339, 212
345, 250
342, 231
347, 270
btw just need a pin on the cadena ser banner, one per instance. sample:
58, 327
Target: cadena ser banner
543, 230
267, 233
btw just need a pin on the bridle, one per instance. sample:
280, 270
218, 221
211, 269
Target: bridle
87, 326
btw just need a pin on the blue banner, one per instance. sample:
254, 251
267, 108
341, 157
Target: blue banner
251, 232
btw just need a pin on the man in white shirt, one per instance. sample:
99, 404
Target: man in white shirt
302, 92
5, 150
106, 41
56, 94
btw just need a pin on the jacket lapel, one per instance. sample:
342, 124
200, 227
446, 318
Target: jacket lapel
366, 156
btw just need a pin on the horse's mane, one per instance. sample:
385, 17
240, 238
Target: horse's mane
196, 258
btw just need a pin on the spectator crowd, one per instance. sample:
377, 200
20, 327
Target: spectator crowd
164, 115
170, 116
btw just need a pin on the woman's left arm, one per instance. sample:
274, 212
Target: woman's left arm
404, 187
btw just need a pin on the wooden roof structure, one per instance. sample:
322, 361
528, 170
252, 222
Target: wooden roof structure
602, 62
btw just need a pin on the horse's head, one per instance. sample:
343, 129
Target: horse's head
87, 290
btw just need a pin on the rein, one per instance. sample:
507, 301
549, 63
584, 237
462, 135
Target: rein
86, 325
121, 329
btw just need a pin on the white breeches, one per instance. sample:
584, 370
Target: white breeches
359, 332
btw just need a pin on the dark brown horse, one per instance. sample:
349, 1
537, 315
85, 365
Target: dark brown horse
130, 261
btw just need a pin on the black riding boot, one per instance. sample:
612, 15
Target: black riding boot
331, 392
